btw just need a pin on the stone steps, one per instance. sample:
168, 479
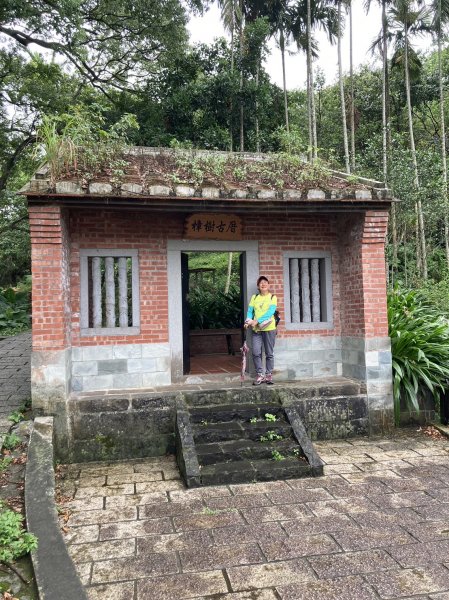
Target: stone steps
251, 471
245, 450
243, 442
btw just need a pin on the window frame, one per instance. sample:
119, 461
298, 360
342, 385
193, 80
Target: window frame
327, 280
87, 253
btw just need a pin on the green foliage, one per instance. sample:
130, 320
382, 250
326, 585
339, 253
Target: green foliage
270, 418
271, 436
15, 308
277, 455
11, 441
4, 463
214, 310
436, 294
209, 511
420, 348
253, 420
16, 416
77, 142
14, 540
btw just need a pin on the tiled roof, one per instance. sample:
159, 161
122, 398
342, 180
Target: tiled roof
145, 180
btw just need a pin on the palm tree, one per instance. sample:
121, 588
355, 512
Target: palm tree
441, 16
305, 16
230, 16
406, 19
278, 15
382, 44
342, 90
351, 88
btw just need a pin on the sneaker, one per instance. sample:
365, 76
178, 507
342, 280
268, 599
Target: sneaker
269, 379
259, 379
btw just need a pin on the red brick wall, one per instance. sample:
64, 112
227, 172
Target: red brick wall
357, 265
362, 268
281, 233
147, 233
49, 266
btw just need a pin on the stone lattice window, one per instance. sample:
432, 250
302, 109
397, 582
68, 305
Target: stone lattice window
109, 281
308, 290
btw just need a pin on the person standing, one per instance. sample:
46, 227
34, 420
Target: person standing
260, 317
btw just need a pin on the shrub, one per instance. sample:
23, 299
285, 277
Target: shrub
420, 348
15, 308
214, 310
14, 540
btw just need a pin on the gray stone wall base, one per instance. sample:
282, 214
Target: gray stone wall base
114, 428
330, 417
120, 367
54, 570
369, 360
307, 357
50, 379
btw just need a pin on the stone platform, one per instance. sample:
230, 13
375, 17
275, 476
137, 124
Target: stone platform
138, 424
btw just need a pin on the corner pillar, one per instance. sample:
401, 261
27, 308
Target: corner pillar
366, 348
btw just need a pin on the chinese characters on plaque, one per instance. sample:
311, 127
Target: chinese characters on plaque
210, 226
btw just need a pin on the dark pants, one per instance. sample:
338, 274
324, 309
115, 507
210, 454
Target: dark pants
267, 340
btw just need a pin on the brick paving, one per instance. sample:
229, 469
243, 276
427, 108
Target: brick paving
376, 526
15, 387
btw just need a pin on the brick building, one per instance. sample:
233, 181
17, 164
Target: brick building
108, 301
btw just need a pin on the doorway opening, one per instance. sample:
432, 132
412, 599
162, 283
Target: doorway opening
212, 311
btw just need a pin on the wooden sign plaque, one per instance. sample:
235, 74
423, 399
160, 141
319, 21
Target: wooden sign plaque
212, 226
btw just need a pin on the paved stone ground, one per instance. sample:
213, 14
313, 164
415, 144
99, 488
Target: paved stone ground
15, 367
376, 526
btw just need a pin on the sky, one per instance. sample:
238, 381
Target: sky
365, 30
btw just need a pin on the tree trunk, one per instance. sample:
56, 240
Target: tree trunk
228, 276
443, 144
231, 112
351, 78
384, 93
342, 94
242, 130
420, 217
313, 112
257, 110
284, 79
311, 152
385, 129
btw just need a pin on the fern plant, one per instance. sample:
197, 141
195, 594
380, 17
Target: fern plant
420, 348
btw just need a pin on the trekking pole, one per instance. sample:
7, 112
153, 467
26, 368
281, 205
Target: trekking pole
244, 350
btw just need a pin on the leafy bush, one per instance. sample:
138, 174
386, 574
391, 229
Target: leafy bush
420, 348
11, 441
14, 540
437, 294
215, 310
15, 308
